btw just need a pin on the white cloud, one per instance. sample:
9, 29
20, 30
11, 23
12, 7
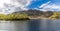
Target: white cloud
43, 5
53, 6
50, 7
10, 6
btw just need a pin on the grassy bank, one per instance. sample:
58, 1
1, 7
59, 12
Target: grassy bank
14, 17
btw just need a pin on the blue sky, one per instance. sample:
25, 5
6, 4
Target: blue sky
37, 3
55, 1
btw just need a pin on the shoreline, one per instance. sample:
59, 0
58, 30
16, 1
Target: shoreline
28, 19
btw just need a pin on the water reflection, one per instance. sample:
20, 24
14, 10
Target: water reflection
34, 25
13, 26
30, 25
40, 25
47, 25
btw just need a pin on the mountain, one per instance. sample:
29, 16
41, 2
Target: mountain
35, 13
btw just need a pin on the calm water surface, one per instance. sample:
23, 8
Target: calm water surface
30, 25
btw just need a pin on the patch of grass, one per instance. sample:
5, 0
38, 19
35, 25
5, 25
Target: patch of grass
14, 17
